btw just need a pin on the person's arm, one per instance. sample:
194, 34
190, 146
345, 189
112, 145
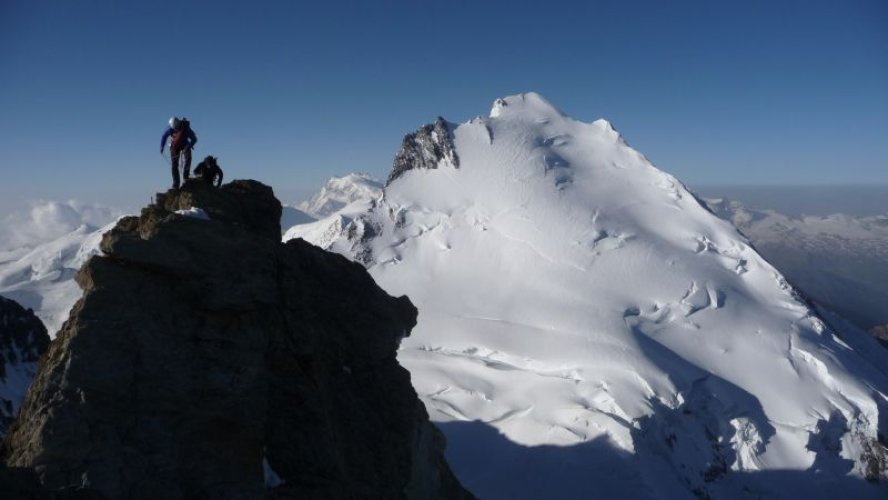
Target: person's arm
193, 137
219, 183
163, 139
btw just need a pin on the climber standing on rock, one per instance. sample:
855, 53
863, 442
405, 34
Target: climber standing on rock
182, 141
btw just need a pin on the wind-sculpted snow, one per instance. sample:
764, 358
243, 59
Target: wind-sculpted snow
585, 325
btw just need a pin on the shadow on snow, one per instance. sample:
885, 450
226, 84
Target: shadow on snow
680, 452
493, 467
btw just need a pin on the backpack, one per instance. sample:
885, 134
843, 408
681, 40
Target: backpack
179, 136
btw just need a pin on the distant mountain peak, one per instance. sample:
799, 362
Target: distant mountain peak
338, 192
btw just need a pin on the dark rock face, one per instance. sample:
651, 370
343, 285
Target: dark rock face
23, 339
425, 148
248, 204
208, 360
881, 334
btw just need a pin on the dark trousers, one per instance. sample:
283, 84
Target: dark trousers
175, 153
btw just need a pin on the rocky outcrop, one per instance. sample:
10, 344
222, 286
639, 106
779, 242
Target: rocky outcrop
881, 334
23, 339
208, 360
426, 148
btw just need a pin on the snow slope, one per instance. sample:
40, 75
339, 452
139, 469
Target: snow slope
587, 328
42, 248
42, 278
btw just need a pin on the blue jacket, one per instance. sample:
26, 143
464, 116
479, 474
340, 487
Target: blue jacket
190, 138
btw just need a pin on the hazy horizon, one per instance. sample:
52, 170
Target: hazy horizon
795, 200
792, 200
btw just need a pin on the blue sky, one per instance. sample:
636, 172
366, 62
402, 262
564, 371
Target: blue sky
290, 93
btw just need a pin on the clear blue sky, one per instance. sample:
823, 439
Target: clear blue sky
289, 92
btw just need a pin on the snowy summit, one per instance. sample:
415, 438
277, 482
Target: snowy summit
588, 329
339, 192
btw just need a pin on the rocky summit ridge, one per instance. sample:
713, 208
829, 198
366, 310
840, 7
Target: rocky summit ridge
206, 359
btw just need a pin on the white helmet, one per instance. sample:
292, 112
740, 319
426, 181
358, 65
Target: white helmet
174, 123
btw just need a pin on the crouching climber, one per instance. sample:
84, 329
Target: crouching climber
208, 171
182, 142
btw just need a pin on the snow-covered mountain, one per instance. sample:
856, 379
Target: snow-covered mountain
43, 249
43, 278
840, 261
338, 203
588, 329
339, 192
